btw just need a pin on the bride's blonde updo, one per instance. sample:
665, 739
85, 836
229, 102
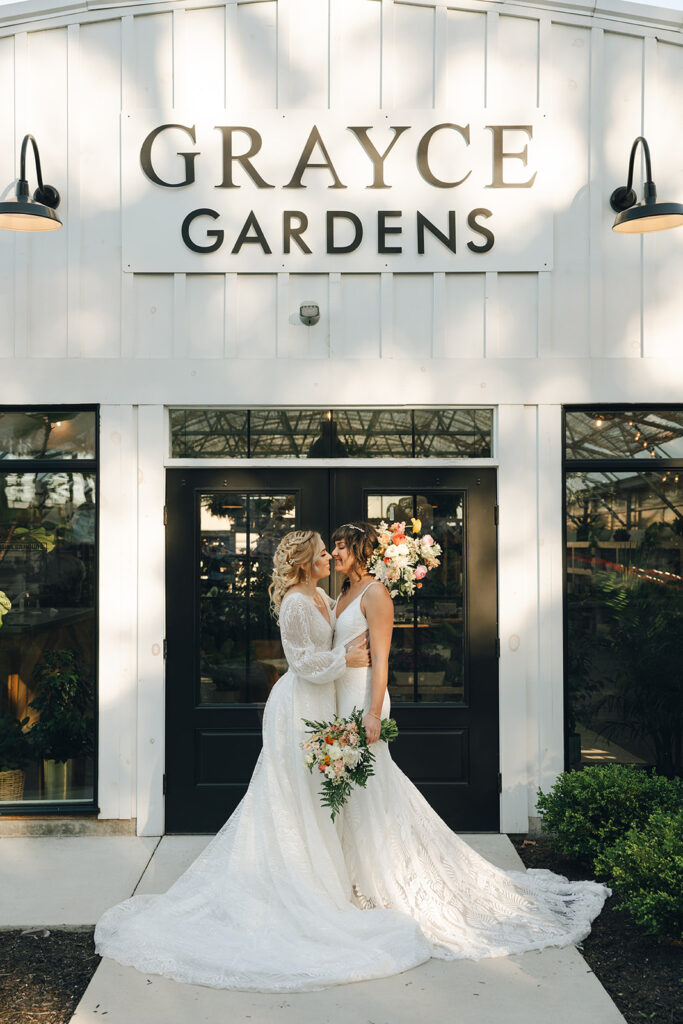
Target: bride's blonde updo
292, 559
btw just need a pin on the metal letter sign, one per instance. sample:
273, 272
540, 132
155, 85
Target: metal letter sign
319, 192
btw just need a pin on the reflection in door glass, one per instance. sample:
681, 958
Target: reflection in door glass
428, 650
240, 655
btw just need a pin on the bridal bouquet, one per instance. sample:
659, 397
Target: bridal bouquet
401, 561
339, 751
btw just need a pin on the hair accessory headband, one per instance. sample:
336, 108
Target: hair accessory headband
351, 526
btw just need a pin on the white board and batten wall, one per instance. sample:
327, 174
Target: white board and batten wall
582, 316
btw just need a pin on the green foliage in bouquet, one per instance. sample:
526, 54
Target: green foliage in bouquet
15, 744
334, 794
645, 870
587, 811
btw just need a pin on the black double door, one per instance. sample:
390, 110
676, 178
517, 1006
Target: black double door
223, 649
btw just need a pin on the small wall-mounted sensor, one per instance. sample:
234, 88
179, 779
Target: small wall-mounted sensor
309, 313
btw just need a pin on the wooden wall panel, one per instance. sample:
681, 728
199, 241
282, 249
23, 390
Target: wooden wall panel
358, 336
152, 59
256, 333
48, 253
307, 47
154, 314
663, 251
517, 316
63, 293
465, 304
621, 266
100, 241
251, 47
413, 317
9, 156
518, 60
569, 95
466, 58
355, 47
413, 56
205, 315
200, 58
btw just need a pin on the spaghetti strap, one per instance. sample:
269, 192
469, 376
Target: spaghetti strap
366, 588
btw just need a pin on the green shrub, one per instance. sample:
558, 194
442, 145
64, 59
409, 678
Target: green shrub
587, 811
645, 870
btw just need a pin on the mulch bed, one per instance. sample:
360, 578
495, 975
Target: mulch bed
44, 973
644, 977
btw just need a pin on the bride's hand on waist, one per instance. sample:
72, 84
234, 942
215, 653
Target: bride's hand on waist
372, 724
358, 653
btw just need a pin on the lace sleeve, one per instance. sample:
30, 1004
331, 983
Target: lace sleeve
304, 657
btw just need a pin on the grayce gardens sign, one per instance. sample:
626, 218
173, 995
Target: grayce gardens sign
303, 191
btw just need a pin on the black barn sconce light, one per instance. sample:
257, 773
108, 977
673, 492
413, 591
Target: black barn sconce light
24, 213
634, 218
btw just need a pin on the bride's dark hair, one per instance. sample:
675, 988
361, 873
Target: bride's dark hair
360, 538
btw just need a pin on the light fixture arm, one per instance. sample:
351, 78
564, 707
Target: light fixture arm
624, 197
45, 194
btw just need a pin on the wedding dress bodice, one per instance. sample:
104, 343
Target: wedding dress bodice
354, 684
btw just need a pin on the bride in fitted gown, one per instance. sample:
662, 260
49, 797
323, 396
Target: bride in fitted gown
267, 905
400, 854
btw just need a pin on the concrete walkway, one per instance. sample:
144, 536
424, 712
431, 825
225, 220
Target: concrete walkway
54, 881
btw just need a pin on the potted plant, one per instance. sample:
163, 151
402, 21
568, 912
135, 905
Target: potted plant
15, 754
64, 731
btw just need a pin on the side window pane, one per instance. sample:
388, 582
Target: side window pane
289, 433
624, 434
47, 657
331, 433
453, 433
209, 433
375, 433
624, 617
56, 434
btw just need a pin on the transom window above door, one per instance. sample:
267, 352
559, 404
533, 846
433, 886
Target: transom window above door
331, 433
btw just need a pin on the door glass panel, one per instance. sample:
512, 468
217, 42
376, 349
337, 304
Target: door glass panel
428, 651
240, 652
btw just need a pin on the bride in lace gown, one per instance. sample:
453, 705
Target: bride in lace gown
267, 905
398, 851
